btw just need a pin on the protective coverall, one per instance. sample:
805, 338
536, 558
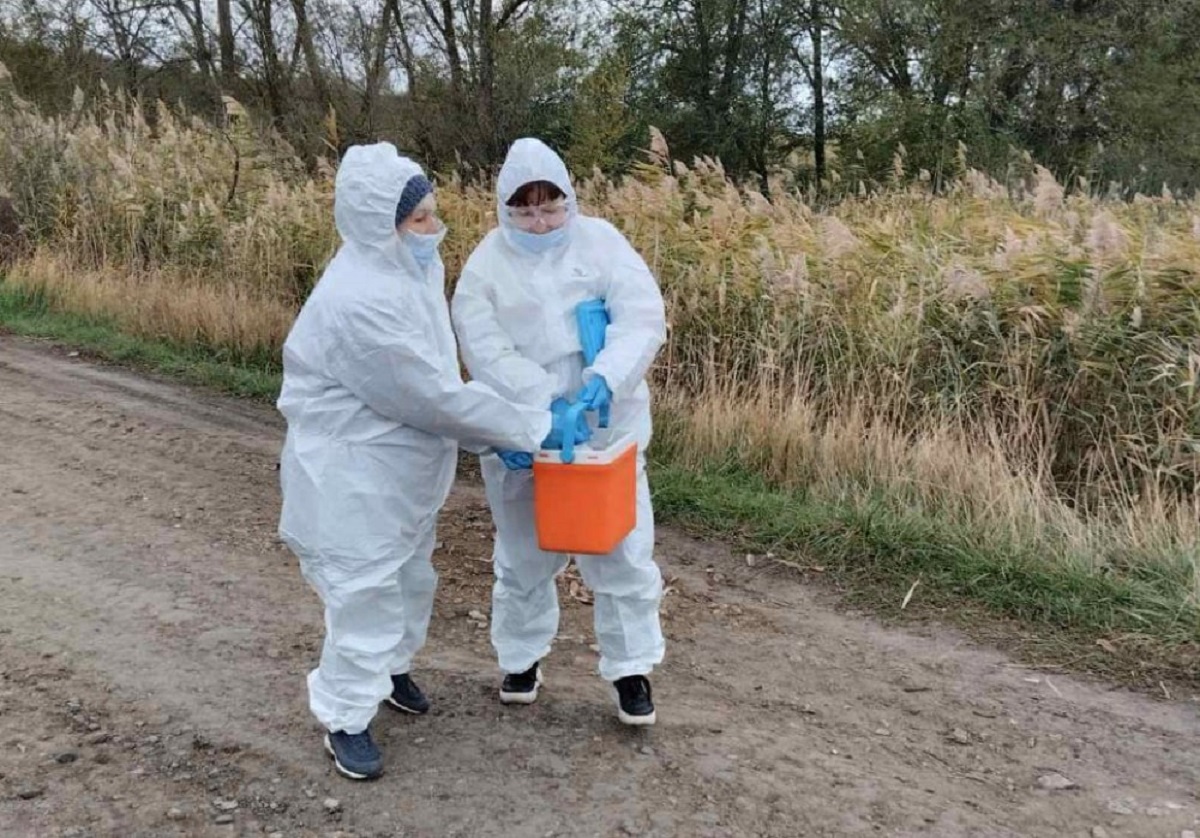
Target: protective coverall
376, 408
514, 313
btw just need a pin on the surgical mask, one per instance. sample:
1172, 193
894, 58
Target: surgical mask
538, 242
423, 246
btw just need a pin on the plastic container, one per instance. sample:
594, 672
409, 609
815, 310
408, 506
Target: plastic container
589, 505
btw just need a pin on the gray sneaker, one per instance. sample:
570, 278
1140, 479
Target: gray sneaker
354, 755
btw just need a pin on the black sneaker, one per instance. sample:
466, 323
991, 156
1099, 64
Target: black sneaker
354, 755
634, 704
407, 696
521, 688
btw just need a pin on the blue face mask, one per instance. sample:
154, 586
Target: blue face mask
423, 246
538, 242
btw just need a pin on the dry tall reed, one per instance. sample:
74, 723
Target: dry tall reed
1022, 359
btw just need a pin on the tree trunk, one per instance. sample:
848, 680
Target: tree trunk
312, 62
376, 68
123, 46
404, 48
818, 86
450, 33
734, 38
703, 89
766, 103
487, 79
225, 42
262, 14
194, 15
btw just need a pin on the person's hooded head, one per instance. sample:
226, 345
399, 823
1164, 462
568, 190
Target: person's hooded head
384, 203
536, 201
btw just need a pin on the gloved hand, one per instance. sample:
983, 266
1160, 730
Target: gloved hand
516, 460
559, 430
595, 394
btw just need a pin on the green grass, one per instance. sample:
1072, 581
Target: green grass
870, 552
874, 553
32, 316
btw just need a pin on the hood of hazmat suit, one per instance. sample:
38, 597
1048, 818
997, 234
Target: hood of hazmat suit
514, 312
528, 161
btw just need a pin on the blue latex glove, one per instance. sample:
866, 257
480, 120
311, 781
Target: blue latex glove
516, 460
581, 432
595, 394
592, 318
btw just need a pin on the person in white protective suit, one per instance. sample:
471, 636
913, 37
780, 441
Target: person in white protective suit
376, 408
514, 314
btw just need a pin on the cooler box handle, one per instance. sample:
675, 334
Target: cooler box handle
568, 447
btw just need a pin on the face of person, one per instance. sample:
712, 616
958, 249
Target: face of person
424, 219
539, 210
541, 218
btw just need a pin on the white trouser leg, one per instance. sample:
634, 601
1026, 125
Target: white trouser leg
364, 626
524, 597
628, 588
418, 584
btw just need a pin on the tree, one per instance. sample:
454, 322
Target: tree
812, 27
480, 73
816, 79
274, 79
720, 77
602, 125
308, 47
192, 14
226, 44
1103, 88
132, 32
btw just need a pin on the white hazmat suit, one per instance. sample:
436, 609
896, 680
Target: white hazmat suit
376, 408
514, 313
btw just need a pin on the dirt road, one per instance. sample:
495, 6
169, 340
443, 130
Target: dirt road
154, 637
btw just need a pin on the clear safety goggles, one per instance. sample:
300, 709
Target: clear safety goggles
551, 213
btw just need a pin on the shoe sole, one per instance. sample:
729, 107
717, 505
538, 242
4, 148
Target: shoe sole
396, 705
633, 721
523, 698
343, 770
636, 721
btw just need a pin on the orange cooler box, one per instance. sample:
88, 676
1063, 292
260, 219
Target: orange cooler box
590, 505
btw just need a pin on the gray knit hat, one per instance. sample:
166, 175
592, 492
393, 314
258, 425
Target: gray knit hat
414, 192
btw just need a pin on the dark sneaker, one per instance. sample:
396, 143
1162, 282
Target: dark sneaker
634, 704
354, 755
407, 696
521, 688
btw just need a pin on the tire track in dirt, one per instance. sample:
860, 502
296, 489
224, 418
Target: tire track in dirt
145, 602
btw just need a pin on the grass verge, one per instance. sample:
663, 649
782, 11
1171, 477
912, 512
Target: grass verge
30, 315
1121, 627
1116, 626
